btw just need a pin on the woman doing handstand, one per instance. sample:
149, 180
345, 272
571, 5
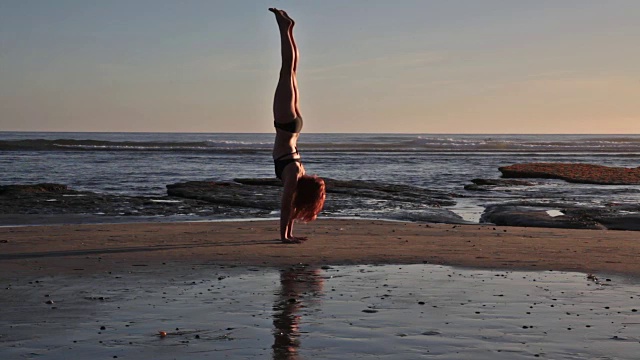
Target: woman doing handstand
303, 195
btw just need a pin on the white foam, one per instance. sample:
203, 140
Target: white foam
555, 213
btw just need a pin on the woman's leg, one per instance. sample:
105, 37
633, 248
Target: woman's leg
296, 58
285, 101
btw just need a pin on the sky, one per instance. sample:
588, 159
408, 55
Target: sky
366, 66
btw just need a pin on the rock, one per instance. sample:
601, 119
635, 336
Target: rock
490, 184
396, 192
474, 187
575, 217
56, 203
618, 218
372, 189
502, 182
531, 216
344, 198
228, 193
43, 188
241, 198
576, 173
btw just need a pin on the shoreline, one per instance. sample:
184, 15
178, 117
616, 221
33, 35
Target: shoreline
92, 220
91, 248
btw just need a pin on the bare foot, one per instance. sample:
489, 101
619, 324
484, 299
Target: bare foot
282, 17
284, 13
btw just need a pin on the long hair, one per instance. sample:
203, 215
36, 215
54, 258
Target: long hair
309, 198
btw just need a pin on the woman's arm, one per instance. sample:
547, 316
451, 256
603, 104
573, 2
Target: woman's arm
286, 208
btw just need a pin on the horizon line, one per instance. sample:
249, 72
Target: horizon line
310, 133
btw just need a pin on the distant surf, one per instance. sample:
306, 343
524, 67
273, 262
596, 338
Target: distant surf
613, 144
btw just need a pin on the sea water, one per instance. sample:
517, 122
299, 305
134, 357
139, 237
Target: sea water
144, 163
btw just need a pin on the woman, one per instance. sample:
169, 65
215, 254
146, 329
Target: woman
303, 195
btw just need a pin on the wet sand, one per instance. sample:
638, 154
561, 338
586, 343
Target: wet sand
232, 290
43, 250
299, 312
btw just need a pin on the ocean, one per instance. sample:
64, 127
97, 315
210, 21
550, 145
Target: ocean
144, 163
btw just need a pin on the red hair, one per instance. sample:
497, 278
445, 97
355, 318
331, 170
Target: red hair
309, 198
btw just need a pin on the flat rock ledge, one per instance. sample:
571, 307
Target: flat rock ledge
344, 198
36, 203
237, 199
561, 215
575, 173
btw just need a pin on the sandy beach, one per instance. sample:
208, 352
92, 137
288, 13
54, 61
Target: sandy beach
371, 289
94, 248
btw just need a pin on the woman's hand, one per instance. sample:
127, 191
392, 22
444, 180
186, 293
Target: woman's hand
295, 240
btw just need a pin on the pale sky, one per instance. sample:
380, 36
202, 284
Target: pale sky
405, 66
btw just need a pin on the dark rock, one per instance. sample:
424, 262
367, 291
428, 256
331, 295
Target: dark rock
228, 193
44, 188
529, 216
474, 187
534, 214
491, 184
377, 190
502, 182
56, 203
574, 172
371, 189
242, 198
610, 218
344, 198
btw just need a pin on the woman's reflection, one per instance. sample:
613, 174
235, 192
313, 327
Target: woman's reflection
299, 287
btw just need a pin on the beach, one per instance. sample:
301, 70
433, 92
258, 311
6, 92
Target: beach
371, 288
472, 173
42, 250
166, 246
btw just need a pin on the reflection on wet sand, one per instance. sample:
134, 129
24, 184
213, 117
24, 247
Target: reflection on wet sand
398, 312
300, 287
